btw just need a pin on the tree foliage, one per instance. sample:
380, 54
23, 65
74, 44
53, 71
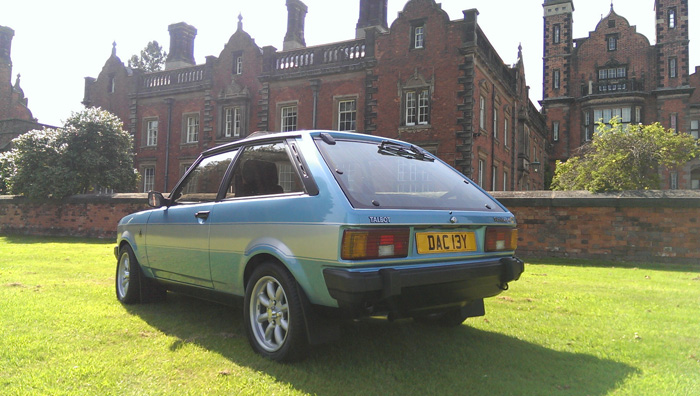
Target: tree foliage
152, 58
91, 150
622, 157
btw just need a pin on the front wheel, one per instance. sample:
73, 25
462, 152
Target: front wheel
128, 279
273, 315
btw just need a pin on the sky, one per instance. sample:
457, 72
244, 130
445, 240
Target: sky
59, 43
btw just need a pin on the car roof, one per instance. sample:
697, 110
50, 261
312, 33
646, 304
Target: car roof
262, 136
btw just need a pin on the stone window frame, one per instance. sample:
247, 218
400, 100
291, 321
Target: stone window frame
191, 131
482, 113
672, 18
147, 139
611, 42
337, 112
421, 90
556, 33
494, 176
238, 63
673, 67
418, 34
144, 168
237, 117
112, 83
556, 79
281, 107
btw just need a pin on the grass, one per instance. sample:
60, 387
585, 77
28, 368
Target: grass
565, 328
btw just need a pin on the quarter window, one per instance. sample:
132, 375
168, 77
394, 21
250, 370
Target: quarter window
556, 34
505, 131
289, 118
264, 170
347, 115
555, 131
557, 79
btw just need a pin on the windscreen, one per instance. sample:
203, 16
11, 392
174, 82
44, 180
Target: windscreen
396, 176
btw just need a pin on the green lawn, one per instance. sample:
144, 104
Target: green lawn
565, 328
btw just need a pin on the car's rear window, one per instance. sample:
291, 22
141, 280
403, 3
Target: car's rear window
392, 176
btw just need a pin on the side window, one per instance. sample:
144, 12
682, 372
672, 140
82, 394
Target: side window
203, 182
264, 170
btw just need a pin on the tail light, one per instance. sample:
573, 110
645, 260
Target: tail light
499, 239
367, 244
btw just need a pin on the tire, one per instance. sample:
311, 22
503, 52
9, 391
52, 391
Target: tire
273, 315
128, 277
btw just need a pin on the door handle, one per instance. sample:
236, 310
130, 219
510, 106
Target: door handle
204, 214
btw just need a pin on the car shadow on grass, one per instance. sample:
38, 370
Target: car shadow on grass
375, 356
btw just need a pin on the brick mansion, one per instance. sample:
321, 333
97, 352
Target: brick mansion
423, 78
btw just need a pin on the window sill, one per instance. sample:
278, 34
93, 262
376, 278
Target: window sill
414, 128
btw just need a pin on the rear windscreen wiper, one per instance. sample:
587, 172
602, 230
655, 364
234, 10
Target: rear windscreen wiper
412, 152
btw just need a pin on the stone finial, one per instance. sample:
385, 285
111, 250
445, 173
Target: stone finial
240, 21
114, 48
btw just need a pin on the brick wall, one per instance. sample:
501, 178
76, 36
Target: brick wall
653, 226
84, 216
631, 226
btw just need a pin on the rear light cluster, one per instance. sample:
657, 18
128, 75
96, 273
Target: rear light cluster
367, 244
500, 239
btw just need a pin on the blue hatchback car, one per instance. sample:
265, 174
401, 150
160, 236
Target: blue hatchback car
315, 226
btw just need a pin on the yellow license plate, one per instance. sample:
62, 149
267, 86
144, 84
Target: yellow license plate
445, 242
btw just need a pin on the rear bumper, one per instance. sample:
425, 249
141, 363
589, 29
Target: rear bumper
424, 288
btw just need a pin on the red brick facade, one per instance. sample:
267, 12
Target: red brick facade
15, 116
616, 71
424, 79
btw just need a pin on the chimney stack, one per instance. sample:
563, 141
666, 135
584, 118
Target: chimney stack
181, 46
373, 14
296, 15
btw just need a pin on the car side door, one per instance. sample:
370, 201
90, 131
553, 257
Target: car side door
177, 236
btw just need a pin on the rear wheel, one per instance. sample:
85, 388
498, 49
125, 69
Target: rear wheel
273, 314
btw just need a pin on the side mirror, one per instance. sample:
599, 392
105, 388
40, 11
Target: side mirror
157, 200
